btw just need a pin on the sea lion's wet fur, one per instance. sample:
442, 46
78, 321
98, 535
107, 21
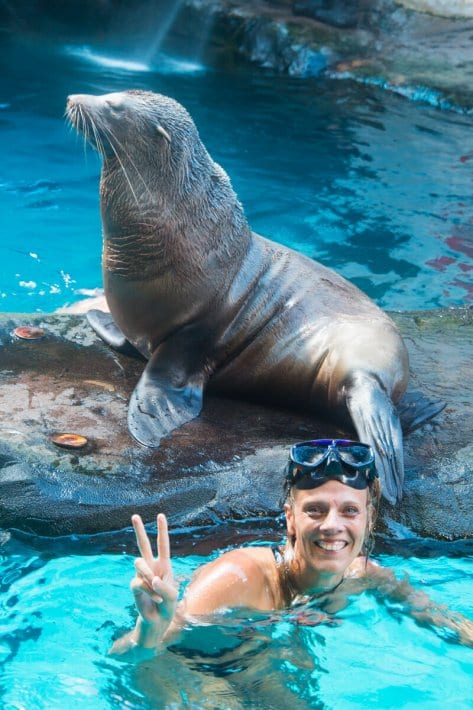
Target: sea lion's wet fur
194, 290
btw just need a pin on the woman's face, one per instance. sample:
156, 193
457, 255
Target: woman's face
328, 524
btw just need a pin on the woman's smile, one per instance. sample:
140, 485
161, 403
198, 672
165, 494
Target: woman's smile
331, 545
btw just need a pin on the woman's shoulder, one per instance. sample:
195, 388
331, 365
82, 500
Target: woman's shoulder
249, 563
363, 567
244, 576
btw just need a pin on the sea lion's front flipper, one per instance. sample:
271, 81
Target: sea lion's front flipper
168, 395
377, 423
415, 410
108, 330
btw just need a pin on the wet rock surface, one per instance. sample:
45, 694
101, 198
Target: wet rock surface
439, 457
227, 464
391, 44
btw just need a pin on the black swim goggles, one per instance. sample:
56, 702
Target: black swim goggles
312, 463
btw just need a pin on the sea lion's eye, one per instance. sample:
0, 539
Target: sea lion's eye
116, 108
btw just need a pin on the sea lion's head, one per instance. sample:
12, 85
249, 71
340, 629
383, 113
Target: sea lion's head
145, 133
158, 183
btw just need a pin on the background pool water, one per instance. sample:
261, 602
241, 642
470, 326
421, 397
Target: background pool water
369, 183
61, 611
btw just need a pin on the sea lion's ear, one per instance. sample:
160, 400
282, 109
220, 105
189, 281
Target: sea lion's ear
164, 133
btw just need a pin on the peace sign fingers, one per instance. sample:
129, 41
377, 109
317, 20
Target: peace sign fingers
161, 564
162, 543
142, 540
153, 586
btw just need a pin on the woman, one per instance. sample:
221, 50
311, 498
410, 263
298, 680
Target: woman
332, 496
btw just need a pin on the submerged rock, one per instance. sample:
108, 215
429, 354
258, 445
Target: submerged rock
227, 464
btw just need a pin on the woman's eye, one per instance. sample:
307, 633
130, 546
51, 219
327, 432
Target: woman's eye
351, 510
314, 511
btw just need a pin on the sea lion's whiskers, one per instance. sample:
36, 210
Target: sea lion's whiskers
82, 125
100, 143
110, 133
110, 138
123, 169
72, 124
86, 130
70, 115
97, 137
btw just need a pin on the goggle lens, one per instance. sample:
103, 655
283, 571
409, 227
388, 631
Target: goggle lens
356, 455
308, 455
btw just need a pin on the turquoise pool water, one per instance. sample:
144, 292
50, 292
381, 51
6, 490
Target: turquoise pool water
61, 609
369, 183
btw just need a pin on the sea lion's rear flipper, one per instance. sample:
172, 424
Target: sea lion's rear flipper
108, 330
168, 395
377, 423
415, 410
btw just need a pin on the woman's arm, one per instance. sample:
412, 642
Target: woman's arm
420, 606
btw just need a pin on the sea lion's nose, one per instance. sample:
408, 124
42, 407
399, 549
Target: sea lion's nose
72, 100
81, 100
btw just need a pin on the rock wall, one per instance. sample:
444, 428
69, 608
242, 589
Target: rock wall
227, 464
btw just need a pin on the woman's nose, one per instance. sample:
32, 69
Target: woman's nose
331, 521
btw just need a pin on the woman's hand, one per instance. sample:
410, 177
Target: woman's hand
153, 586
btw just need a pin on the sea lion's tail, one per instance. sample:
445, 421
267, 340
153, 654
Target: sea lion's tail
377, 423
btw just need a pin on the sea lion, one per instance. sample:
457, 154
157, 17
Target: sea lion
206, 300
